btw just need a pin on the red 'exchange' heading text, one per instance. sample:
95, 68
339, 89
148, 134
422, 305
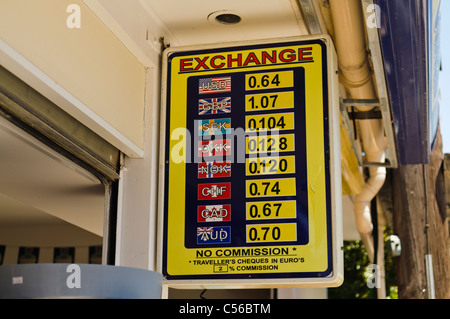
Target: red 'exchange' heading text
247, 59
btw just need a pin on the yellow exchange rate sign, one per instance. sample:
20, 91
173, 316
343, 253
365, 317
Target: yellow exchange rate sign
250, 165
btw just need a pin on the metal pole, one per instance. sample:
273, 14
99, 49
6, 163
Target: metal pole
430, 276
428, 256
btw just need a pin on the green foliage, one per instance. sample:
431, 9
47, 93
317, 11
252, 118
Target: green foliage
356, 261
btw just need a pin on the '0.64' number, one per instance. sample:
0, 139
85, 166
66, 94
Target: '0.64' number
264, 81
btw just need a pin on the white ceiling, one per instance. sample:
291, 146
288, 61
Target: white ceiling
188, 23
39, 187
14, 213
140, 24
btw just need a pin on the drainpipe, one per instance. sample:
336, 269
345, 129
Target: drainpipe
357, 78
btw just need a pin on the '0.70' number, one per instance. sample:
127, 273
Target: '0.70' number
272, 232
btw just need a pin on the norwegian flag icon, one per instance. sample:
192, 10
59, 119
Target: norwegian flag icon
214, 235
214, 106
214, 169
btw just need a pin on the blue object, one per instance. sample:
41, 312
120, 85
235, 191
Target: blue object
87, 281
406, 34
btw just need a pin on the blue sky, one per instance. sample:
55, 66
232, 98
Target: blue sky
444, 77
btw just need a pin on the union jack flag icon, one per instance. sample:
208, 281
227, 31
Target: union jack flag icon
202, 230
204, 233
214, 105
211, 235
